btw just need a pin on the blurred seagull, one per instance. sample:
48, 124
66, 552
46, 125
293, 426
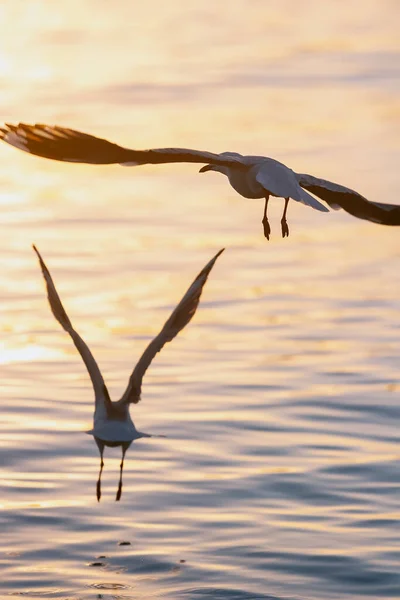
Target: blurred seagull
112, 423
250, 176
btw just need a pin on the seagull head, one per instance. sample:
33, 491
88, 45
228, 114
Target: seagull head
218, 168
208, 168
221, 168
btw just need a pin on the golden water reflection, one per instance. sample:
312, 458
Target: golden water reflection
280, 401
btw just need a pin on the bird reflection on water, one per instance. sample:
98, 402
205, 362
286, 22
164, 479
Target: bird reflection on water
112, 423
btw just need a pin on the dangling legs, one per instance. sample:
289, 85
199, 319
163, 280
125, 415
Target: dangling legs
284, 225
100, 446
119, 492
265, 222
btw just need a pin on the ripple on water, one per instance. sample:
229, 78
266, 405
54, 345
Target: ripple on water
280, 475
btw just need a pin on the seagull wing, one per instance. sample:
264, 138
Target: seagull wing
100, 389
180, 317
60, 143
352, 202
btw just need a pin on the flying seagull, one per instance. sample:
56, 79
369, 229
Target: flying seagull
250, 176
112, 423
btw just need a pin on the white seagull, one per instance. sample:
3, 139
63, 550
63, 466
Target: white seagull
250, 176
112, 423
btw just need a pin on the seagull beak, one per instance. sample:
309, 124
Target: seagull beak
206, 168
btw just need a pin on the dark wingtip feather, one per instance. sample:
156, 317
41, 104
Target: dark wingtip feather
45, 271
54, 300
37, 253
213, 260
206, 270
41, 261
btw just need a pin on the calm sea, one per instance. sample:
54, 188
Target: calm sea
279, 477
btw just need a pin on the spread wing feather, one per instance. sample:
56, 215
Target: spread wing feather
69, 145
352, 202
179, 318
59, 313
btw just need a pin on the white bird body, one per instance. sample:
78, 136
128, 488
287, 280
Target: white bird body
251, 176
112, 422
244, 182
117, 430
265, 176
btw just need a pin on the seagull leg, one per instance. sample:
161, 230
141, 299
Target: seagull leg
98, 486
119, 492
265, 222
284, 225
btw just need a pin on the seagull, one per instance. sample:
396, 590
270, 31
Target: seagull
112, 423
250, 176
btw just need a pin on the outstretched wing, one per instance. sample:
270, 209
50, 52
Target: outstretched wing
60, 143
58, 311
352, 202
180, 317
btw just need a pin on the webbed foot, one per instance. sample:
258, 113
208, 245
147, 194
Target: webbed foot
285, 228
267, 228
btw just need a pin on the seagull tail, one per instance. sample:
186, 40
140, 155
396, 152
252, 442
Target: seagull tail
309, 200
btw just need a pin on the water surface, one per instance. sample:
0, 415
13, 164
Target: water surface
279, 476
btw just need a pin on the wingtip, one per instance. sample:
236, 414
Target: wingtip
206, 270
4, 131
217, 255
41, 261
211, 263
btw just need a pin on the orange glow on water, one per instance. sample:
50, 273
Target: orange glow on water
280, 399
